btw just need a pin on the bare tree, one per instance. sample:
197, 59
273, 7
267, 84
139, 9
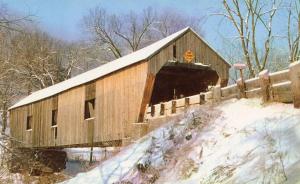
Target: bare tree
101, 26
246, 16
133, 27
232, 51
125, 33
35, 58
11, 21
118, 34
170, 21
294, 27
80, 57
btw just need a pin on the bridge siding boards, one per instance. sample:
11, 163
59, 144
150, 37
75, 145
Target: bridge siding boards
203, 54
71, 129
120, 99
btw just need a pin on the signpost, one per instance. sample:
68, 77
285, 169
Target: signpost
241, 82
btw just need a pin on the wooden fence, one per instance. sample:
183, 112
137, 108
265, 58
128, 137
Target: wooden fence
282, 86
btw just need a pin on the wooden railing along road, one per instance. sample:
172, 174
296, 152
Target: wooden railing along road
282, 86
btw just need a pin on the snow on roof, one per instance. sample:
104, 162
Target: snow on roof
101, 71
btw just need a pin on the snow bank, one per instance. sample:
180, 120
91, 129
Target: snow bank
247, 143
250, 143
112, 170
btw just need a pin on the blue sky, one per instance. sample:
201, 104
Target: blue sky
61, 18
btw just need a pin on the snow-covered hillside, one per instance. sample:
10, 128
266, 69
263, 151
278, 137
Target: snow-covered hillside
238, 141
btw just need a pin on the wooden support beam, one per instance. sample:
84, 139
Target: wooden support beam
216, 90
146, 97
202, 98
295, 85
90, 122
173, 110
152, 110
265, 85
186, 102
162, 109
242, 88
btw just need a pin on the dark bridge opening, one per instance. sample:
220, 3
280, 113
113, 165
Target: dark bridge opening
177, 80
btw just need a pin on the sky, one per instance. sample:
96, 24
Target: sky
61, 18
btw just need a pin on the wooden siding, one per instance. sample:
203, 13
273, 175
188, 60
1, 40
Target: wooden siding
118, 101
117, 105
41, 113
203, 54
70, 122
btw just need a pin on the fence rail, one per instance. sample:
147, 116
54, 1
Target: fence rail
282, 86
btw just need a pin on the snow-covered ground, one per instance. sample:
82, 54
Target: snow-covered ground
79, 158
239, 141
83, 154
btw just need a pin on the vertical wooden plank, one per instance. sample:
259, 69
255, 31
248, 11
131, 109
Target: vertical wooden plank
216, 93
264, 80
295, 80
162, 109
242, 88
119, 98
186, 102
173, 111
71, 126
147, 96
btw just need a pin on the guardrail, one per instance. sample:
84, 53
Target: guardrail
282, 86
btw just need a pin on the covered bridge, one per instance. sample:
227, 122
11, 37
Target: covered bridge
100, 105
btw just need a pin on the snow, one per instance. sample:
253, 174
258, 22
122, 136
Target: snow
112, 170
201, 64
294, 63
83, 154
285, 83
279, 72
257, 137
246, 143
100, 71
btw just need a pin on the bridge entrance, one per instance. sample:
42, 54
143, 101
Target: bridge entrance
177, 80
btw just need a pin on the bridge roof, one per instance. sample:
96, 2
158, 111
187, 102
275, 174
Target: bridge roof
132, 58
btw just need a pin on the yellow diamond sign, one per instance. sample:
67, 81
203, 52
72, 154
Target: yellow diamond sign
189, 56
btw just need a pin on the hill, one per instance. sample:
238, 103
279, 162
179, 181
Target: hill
238, 141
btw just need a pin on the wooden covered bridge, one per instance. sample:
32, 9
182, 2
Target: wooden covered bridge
100, 106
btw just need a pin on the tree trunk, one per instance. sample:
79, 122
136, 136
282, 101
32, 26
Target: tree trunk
4, 117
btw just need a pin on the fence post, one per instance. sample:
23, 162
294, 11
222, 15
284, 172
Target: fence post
216, 93
186, 102
265, 85
162, 109
242, 88
202, 98
152, 110
173, 109
295, 82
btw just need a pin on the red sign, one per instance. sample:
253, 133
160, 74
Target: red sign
239, 66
